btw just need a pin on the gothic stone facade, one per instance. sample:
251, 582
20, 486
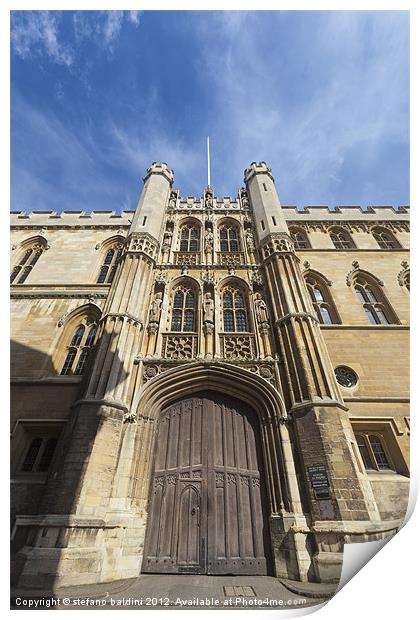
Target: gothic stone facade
206, 385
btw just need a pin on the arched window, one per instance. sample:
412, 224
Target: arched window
300, 239
184, 310
79, 347
372, 451
385, 239
321, 300
234, 310
373, 301
29, 256
229, 238
189, 238
110, 263
341, 239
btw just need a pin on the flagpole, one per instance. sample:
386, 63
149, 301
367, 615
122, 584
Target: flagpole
208, 161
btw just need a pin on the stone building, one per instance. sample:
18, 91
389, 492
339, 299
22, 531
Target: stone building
206, 385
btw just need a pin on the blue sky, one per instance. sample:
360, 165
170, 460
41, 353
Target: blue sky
322, 96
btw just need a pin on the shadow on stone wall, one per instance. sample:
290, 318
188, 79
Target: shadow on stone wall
43, 504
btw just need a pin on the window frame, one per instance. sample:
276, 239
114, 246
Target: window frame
385, 244
365, 436
108, 267
229, 240
191, 228
235, 311
23, 434
184, 310
78, 349
347, 243
29, 254
303, 244
312, 283
373, 301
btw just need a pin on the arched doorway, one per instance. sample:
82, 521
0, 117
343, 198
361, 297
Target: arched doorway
207, 510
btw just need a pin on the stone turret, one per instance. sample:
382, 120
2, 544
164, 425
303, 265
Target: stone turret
268, 214
153, 200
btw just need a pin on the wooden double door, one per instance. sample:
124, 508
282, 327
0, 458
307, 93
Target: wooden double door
207, 500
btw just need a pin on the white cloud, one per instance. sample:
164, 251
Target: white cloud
310, 136
42, 32
38, 30
112, 26
134, 17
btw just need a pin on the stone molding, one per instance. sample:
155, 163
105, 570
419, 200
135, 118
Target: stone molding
277, 243
154, 367
142, 243
102, 402
297, 315
350, 226
121, 316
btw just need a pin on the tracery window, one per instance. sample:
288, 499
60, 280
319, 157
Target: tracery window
184, 310
300, 239
385, 239
110, 263
321, 301
26, 263
341, 239
373, 301
372, 451
229, 239
234, 310
189, 241
79, 348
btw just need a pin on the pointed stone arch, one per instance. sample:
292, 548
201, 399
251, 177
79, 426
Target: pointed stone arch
357, 270
27, 255
226, 379
69, 322
322, 300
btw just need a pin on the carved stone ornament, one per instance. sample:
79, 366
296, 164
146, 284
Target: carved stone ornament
261, 309
238, 347
155, 308
207, 277
250, 243
208, 328
256, 277
278, 242
356, 267
180, 347
152, 328
130, 417
208, 241
208, 308
172, 200
401, 277
143, 242
349, 277
162, 277
244, 198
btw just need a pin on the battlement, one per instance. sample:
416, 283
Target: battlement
112, 219
254, 168
163, 169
